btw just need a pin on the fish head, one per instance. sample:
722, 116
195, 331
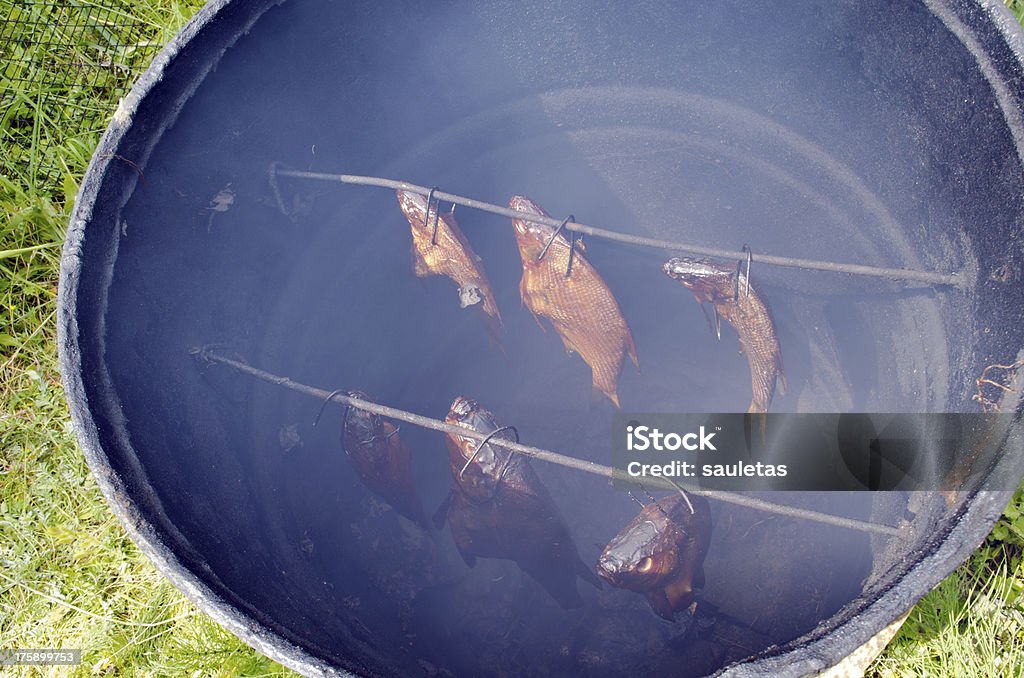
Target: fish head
531, 235
707, 280
643, 556
481, 476
361, 426
414, 207
464, 411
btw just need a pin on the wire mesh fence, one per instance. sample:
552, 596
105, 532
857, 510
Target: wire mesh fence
64, 63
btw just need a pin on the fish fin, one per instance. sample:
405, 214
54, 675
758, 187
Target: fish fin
718, 323
631, 349
441, 514
747, 437
467, 557
493, 340
419, 265
707, 316
588, 575
408, 503
679, 594
411, 509
492, 321
661, 605
539, 323
491, 307
524, 295
570, 347
781, 382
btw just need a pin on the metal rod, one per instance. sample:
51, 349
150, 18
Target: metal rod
210, 355
856, 269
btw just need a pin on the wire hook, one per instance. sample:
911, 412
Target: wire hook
686, 497
483, 442
426, 216
746, 277
655, 502
323, 406
555, 235
572, 251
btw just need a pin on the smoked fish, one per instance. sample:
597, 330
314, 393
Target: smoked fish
580, 307
451, 256
499, 508
743, 307
660, 553
381, 459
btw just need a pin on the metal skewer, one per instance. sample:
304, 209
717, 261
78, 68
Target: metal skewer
210, 355
812, 264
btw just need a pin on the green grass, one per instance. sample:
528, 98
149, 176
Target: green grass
69, 576
1017, 7
972, 624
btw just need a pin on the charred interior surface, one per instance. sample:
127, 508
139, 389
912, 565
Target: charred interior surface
839, 131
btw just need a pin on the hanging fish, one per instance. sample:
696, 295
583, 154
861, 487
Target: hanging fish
733, 297
448, 254
660, 553
499, 508
381, 459
579, 306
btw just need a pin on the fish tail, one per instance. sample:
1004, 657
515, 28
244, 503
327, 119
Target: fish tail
493, 342
598, 394
441, 515
494, 328
413, 510
762, 418
588, 575
411, 506
491, 307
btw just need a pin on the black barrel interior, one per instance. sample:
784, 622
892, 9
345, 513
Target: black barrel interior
853, 132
